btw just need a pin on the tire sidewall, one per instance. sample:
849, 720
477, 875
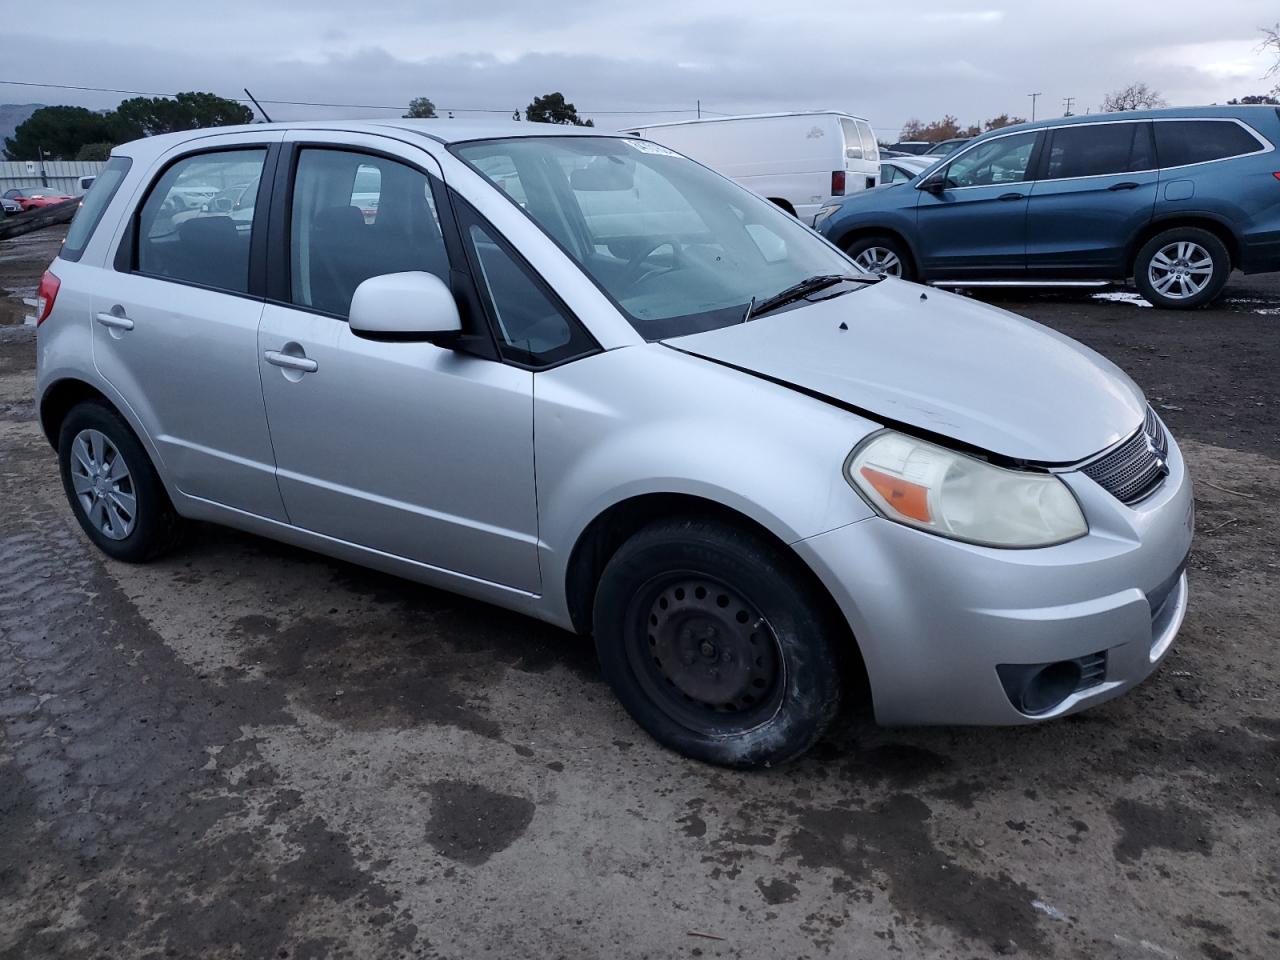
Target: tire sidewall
811, 682
153, 527
855, 247
1217, 251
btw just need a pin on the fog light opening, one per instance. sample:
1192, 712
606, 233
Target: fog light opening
1037, 688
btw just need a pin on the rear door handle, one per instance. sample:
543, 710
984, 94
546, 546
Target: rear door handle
1010, 196
1126, 185
290, 362
114, 321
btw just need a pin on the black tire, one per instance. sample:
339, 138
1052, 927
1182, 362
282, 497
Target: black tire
156, 526
859, 245
1171, 299
760, 638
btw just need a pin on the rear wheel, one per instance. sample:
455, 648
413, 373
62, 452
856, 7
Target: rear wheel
113, 489
716, 645
881, 255
1182, 269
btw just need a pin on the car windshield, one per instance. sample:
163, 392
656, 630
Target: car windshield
678, 248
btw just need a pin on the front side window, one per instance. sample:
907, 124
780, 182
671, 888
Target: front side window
357, 216
1098, 149
1002, 160
197, 221
1180, 142
678, 248
531, 328
93, 206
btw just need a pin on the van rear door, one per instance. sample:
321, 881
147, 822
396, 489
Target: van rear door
861, 155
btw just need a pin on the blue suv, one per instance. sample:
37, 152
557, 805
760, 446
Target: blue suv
1173, 198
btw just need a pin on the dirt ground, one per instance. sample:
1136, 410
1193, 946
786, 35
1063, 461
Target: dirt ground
245, 750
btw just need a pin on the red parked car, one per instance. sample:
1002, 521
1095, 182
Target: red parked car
30, 198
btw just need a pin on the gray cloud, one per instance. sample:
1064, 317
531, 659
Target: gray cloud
974, 61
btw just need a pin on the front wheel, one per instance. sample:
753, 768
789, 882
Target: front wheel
716, 645
1182, 269
881, 255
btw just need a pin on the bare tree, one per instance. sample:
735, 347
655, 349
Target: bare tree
1136, 96
1271, 41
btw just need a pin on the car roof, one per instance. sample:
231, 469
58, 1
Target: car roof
440, 130
749, 116
1240, 111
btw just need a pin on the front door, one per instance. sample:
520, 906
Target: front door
976, 224
409, 448
175, 325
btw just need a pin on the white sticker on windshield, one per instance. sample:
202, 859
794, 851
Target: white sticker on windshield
648, 146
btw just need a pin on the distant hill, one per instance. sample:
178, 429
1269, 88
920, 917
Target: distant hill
12, 114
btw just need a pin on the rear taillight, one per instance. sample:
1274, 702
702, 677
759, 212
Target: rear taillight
1276, 174
45, 296
837, 183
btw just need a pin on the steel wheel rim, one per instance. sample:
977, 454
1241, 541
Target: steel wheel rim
1180, 270
879, 260
103, 485
704, 654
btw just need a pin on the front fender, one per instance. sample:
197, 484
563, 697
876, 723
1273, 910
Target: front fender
650, 419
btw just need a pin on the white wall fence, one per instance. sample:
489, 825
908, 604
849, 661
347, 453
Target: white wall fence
62, 175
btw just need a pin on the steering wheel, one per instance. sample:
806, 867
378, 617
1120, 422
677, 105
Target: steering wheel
633, 272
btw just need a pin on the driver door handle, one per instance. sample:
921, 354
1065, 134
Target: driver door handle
1126, 185
114, 321
289, 362
1010, 196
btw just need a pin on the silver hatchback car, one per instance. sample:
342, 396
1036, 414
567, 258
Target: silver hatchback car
585, 378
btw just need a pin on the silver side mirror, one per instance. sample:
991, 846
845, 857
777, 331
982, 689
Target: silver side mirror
405, 306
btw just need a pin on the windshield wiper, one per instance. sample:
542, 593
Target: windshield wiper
798, 291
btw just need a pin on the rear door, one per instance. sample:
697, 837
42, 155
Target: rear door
175, 323
976, 225
412, 449
1096, 189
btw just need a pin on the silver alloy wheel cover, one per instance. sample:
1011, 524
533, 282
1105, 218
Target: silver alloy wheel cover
103, 484
1180, 270
879, 260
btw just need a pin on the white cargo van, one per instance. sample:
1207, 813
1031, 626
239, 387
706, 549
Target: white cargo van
797, 160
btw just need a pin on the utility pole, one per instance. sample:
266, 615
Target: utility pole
1033, 104
44, 180
1067, 102
699, 109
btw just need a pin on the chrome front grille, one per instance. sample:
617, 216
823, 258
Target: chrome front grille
1137, 467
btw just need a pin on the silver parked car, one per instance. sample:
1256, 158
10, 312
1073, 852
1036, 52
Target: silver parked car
587, 379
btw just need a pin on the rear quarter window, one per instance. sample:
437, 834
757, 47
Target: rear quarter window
93, 206
1180, 142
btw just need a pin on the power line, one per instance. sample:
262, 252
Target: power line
316, 103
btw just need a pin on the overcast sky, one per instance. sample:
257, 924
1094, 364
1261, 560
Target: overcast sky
887, 61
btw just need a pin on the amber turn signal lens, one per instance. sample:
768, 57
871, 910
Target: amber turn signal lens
909, 499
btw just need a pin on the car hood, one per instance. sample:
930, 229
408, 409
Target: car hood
941, 363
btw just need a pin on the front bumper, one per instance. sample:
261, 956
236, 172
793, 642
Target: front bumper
934, 618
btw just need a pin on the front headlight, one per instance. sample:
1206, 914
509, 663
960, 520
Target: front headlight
957, 496
824, 213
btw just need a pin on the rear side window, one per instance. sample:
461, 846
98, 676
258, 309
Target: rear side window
1098, 149
93, 206
357, 216
1179, 142
196, 223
